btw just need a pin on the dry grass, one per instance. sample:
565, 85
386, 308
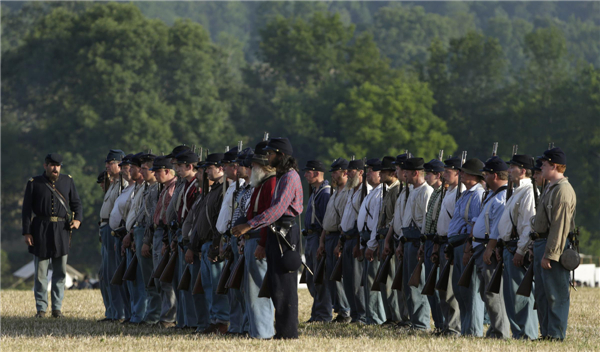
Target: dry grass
79, 331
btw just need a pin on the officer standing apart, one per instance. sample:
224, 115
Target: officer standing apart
53, 201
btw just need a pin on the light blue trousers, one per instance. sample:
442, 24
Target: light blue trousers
40, 285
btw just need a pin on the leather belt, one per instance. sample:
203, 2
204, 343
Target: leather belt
442, 239
252, 236
538, 236
332, 233
351, 237
429, 237
410, 240
51, 218
104, 220
481, 240
380, 237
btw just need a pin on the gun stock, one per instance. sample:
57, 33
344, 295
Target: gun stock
429, 288
385, 269
442, 284
415, 279
118, 275
465, 278
375, 286
265, 288
303, 276
169, 271
151, 282
397, 283
131, 271
496, 281
221, 289
336, 275
527, 283
198, 284
186, 277
161, 266
320, 272
237, 275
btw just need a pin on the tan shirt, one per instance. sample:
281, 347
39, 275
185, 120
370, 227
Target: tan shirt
110, 197
335, 210
554, 215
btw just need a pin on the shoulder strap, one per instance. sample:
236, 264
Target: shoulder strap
61, 199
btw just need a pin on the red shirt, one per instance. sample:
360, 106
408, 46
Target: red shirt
188, 197
266, 190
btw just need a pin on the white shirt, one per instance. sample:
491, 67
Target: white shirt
416, 206
399, 212
109, 199
119, 210
351, 209
447, 210
335, 210
521, 206
369, 210
135, 207
226, 209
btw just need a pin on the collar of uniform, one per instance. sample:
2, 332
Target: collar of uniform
323, 184
526, 182
395, 184
474, 188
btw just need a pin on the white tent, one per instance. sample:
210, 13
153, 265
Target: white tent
27, 271
587, 273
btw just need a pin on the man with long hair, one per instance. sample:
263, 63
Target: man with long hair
283, 242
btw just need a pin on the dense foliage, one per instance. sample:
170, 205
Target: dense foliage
338, 78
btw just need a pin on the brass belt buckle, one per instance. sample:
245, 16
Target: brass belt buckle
54, 219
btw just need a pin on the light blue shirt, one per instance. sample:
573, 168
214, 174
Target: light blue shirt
493, 208
472, 197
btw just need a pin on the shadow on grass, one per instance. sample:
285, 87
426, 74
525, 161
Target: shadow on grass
78, 327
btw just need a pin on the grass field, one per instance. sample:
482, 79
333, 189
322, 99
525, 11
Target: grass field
79, 331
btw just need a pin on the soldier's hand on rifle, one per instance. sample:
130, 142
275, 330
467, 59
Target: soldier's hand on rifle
189, 256
321, 250
133, 247
146, 253
435, 253
546, 264
400, 251
336, 251
75, 224
421, 252
387, 249
164, 249
29, 240
518, 260
240, 246
240, 230
260, 253
173, 246
369, 254
498, 254
126, 241
487, 255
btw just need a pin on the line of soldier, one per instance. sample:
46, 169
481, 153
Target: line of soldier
168, 246
369, 235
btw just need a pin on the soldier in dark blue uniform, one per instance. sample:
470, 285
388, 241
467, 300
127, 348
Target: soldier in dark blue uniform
51, 210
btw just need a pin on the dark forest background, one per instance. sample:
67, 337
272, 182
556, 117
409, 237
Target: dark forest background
338, 78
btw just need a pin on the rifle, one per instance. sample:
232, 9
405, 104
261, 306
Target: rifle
163, 263
442, 284
198, 285
265, 288
509, 191
487, 191
106, 181
131, 271
221, 286
118, 275
536, 196
186, 277
385, 269
151, 282
320, 272
303, 276
375, 286
336, 274
415, 278
463, 158
205, 178
527, 284
237, 274
397, 283
169, 270
429, 287
363, 195
465, 278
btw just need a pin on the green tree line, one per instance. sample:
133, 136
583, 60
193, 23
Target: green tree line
339, 79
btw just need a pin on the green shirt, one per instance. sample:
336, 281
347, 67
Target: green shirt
433, 211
